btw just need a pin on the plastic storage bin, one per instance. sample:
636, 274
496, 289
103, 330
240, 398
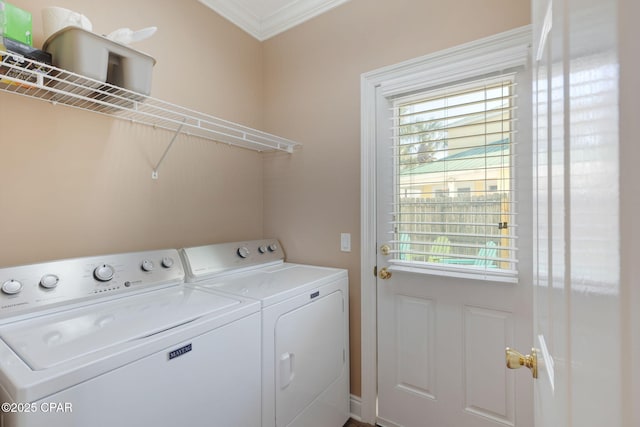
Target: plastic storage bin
56, 18
91, 55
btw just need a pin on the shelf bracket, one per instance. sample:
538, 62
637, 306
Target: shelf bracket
154, 173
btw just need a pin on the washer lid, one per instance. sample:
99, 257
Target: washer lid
50, 340
275, 283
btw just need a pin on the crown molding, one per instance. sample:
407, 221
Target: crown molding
262, 28
236, 13
295, 13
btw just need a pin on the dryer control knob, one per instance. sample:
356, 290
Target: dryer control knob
262, 249
146, 265
11, 287
273, 247
167, 262
104, 272
243, 252
49, 281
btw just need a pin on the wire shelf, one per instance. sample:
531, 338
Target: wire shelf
33, 79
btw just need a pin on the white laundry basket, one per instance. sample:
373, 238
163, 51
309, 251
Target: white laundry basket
55, 19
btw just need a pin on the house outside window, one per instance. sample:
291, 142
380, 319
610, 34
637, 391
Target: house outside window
454, 204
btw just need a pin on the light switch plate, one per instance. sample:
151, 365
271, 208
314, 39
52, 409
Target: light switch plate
345, 242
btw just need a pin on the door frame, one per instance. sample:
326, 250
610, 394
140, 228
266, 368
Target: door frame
500, 51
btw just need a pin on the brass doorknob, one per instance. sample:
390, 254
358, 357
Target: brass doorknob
384, 273
516, 360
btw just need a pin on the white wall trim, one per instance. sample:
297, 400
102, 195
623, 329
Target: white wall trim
491, 54
294, 14
355, 407
263, 27
368, 247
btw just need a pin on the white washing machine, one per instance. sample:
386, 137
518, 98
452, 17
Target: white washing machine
118, 340
305, 335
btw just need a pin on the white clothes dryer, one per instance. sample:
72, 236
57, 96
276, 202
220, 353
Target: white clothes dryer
118, 340
305, 335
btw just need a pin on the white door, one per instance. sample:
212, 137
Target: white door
579, 316
441, 354
586, 330
441, 338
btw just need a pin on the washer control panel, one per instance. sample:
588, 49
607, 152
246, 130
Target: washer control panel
203, 262
28, 288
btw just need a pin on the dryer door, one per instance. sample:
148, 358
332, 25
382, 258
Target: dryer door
309, 354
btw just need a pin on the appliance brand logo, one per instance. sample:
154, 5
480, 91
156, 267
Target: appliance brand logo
179, 351
315, 294
14, 305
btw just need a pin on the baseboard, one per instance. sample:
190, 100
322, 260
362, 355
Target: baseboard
384, 423
356, 407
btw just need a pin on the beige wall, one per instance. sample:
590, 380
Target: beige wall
312, 94
74, 183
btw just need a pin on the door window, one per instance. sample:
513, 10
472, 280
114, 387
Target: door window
453, 205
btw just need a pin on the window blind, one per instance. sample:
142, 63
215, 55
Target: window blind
453, 207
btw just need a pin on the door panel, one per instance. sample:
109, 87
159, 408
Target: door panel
415, 346
486, 333
577, 322
441, 355
550, 298
441, 340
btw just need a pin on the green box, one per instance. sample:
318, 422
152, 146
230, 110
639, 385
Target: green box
15, 23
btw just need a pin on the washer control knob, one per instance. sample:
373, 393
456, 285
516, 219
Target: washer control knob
167, 262
146, 265
243, 252
104, 272
11, 287
273, 247
49, 281
262, 249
